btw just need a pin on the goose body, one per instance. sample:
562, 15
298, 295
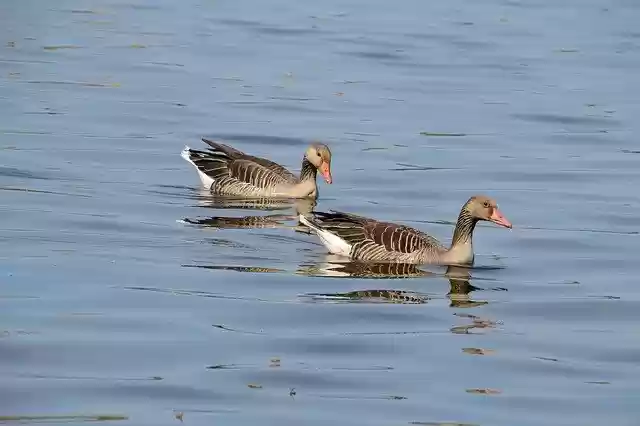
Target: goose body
362, 238
225, 170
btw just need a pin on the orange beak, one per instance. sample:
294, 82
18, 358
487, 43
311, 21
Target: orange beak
498, 218
325, 169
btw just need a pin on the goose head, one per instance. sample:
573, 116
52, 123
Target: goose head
481, 207
320, 156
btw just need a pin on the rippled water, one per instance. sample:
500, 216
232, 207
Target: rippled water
112, 309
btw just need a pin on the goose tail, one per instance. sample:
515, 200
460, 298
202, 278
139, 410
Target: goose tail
331, 241
204, 162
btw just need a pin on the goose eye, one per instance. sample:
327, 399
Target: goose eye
318, 154
486, 204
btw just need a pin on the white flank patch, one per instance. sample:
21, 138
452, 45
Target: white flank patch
206, 180
332, 242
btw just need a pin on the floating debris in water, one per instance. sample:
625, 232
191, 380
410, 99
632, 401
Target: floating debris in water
484, 391
478, 351
544, 358
274, 362
222, 367
62, 46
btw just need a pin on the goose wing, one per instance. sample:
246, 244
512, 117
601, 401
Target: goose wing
373, 235
252, 170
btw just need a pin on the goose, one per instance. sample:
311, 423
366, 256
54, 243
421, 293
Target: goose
362, 238
225, 170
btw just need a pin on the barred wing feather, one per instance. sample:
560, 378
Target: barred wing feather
371, 238
241, 163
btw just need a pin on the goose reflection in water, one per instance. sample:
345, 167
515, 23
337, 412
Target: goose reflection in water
338, 267
296, 206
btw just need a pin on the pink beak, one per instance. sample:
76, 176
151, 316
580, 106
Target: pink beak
499, 219
326, 172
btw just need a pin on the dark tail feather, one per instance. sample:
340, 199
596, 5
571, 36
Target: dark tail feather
220, 147
213, 164
335, 216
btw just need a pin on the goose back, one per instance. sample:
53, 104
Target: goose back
363, 238
371, 239
233, 172
236, 154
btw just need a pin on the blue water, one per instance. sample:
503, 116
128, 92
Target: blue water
109, 306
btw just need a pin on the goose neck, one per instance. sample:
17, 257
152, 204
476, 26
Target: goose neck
308, 171
463, 233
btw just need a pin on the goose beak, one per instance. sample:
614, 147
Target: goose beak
325, 169
498, 218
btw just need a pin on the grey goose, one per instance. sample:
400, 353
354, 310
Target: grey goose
366, 239
226, 170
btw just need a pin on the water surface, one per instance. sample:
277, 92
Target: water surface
112, 309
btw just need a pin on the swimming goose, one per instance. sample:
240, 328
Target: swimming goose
227, 171
362, 238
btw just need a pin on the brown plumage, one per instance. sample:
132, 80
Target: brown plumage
228, 171
367, 239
